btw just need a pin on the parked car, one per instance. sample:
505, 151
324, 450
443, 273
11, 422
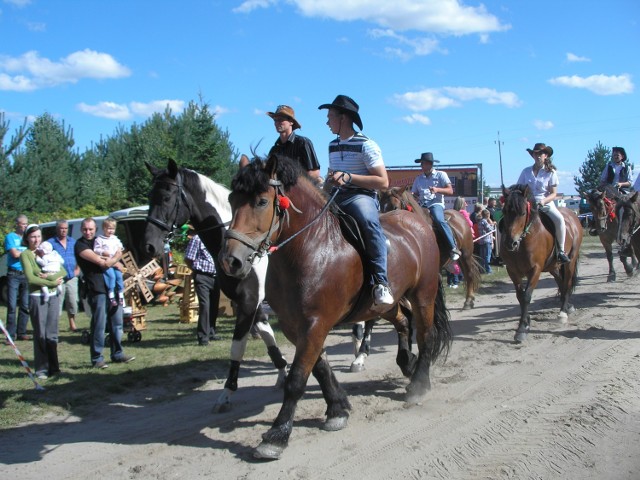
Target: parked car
130, 230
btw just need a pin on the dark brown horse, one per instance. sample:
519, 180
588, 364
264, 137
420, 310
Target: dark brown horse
628, 235
400, 198
603, 208
316, 281
528, 248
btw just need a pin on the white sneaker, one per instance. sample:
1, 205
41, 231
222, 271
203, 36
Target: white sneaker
382, 295
454, 255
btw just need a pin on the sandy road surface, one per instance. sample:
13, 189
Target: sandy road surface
564, 405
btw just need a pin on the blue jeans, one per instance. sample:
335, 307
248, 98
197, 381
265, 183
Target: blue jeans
112, 279
365, 210
17, 298
485, 256
104, 316
437, 214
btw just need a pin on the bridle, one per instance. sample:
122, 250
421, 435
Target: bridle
609, 213
263, 245
181, 201
404, 205
527, 225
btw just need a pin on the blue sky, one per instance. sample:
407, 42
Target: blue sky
443, 76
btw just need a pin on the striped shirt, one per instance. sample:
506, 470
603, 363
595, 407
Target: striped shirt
358, 154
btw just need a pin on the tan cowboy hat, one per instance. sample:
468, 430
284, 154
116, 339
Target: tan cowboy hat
285, 111
345, 105
540, 147
426, 157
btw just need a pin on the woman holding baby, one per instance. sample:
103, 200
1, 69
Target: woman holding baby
44, 301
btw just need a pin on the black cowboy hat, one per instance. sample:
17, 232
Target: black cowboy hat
426, 157
541, 147
345, 105
621, 150
285, 111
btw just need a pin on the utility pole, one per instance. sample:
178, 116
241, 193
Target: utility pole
500, 154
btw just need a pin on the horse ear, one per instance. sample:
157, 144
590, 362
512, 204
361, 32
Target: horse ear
172, 168
153, 170
244, 161
407, 188
505, 191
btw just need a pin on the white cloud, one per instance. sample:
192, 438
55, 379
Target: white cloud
118, 111
543, 124
37, 26
417, 118
598, 84
110, 110
447, 17
18, 3
31, 72
418, 46
219, 110
571, 57
446, 97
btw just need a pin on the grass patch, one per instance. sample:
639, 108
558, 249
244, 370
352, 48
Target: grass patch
168, 354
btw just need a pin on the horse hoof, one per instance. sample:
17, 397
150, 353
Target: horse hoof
563, 317
571, 309
334, 424
520, 337
221, 407
268, 451
357, 367
415, 398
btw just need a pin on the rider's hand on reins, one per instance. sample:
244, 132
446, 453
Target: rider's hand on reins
341, 178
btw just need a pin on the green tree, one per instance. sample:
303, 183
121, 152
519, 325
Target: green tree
591, 169
7, 149
41, 176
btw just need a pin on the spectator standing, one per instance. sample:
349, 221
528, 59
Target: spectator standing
292, 145
485, 242
65, 246
17, 286
200, 261
429, 189
103, 315
44, 310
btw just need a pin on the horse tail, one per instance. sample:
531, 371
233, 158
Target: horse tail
441, 343
473, 276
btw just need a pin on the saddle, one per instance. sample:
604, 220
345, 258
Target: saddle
349, 228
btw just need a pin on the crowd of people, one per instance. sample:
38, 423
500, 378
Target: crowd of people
43, 276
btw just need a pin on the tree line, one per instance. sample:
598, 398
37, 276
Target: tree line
43, 176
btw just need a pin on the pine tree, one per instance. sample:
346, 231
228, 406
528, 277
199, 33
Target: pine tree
592, 168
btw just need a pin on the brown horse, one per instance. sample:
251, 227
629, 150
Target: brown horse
400, 198
603, 208
528, 248
628, 235
316, 280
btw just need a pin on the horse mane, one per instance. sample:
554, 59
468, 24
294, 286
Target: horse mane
254, 178
215, 194
515, 202
410, 199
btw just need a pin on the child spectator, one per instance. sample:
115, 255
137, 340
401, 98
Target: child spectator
107, 245
50, 262
485, 242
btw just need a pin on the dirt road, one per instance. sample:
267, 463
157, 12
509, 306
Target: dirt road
564, 405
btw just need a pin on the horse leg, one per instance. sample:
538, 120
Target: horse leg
471, 271
275, 440
361, 337
524, 294
268, 337
337, 402
405, 359
611, 277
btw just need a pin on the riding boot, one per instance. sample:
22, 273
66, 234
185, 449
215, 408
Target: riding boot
562, 257
52, 357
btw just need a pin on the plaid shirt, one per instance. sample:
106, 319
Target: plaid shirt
200, 256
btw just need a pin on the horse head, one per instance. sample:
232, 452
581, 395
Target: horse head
602, 208
259, 205
396, 198
628, 209
517, 215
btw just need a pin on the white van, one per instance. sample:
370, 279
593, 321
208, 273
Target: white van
130, 231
